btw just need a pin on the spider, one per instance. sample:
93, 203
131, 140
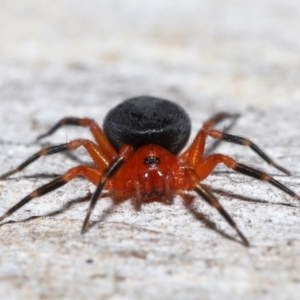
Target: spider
138, 156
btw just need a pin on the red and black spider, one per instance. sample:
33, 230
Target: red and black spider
137, 157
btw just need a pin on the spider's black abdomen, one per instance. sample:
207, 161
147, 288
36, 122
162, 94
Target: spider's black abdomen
148, 120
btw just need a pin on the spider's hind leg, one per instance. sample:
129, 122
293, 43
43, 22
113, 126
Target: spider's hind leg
94, 128
214, 120
217, 118
199, 141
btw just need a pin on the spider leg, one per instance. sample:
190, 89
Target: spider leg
94, 151
94, 128
108, 173
212, 200
205, 167
88, 172
217, 118
216, 134
195, 152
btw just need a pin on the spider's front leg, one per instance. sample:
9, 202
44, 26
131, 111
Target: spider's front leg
204, 167
213, 201
94, 175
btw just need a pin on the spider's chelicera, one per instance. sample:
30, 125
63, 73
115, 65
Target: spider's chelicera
138, 156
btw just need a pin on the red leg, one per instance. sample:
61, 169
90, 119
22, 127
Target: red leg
219, 117
89, 173
114, 166
194, 153
213, 201
205, 167
94, 128
216, 134
94, 151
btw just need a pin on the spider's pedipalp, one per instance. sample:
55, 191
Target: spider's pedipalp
212, 200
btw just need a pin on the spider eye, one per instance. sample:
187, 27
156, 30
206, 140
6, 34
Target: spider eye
151, 160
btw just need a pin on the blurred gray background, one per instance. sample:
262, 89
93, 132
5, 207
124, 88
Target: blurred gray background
80, 58
247, 50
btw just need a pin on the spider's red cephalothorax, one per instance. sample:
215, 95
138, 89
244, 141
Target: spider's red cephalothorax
137, 156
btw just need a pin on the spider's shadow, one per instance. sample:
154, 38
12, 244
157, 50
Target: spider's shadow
188, 200
248, 199
66, 207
